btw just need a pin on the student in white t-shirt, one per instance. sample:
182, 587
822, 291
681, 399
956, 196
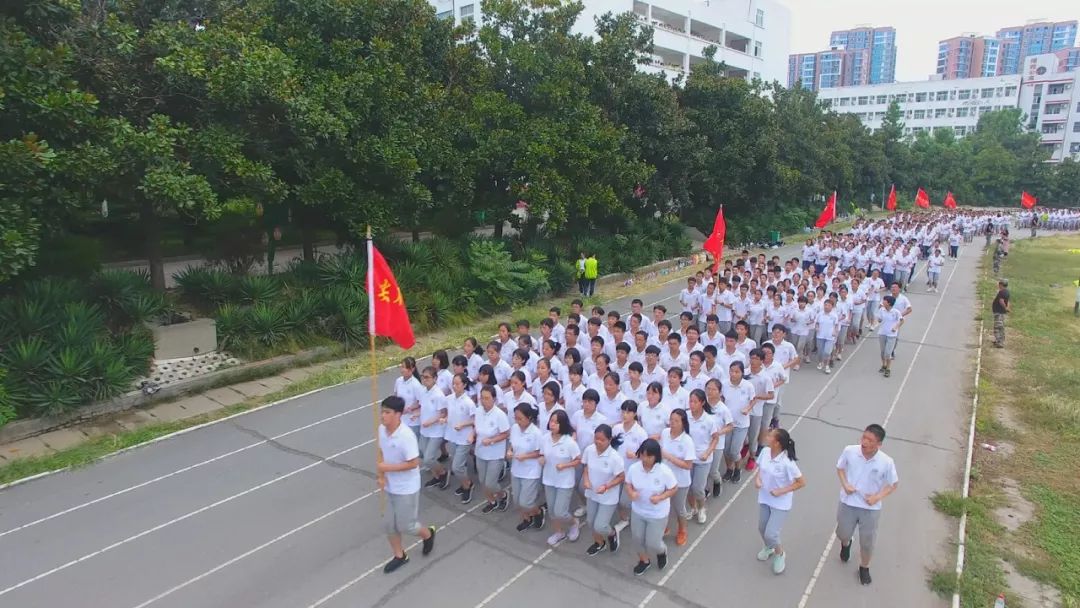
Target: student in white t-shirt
777, 478
492, 430
601, 477
679, 452
828, 328
867, 476
650, 484
933, 270
561, 457
889, 320
399, 477
525, 466
706, 435
408, 387
655, 412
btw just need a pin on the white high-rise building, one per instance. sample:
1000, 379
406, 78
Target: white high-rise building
1048, 98
752, 36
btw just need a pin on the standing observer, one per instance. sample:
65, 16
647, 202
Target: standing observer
1001, 307
591, 273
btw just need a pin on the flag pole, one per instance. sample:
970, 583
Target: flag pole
375, 409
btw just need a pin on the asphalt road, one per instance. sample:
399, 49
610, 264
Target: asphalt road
279, 508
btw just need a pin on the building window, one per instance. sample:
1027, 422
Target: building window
1057, 108
1058, 89
827, 103
942, 96
987, 93
1074, 148
920, 114
843, 101
466, 12
940, 113
920, 97
760, 19
1000, 91
985, 110
863, 100
882, 99
960, 131
961, 112
1076, 127
757, 49
1010, 91
1051, 128
445, 15
965, 94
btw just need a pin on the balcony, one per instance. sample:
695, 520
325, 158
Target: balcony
736, 42
705, 32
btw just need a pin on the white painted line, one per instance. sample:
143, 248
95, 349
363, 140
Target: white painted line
514, 578
179, 471
716, 518
900, 390
179, 519
961, 546
376, 567
251, 552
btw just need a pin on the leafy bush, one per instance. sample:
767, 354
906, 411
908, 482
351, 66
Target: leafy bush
7, 408
268, 323
206, 287
233, 326
499, 280
258, 289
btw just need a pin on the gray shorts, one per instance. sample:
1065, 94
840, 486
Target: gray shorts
402, 515
770, 411
459, 458
558, 501
735, 440
430, 450
888, 345
526, 492
678, 503
599, 517
488, 471
699, 477
849, 518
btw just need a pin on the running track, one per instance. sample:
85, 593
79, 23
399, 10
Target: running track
279, 508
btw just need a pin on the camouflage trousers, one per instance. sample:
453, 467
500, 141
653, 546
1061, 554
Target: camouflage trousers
999, 328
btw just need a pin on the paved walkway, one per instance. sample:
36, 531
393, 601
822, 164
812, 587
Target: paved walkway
279, 507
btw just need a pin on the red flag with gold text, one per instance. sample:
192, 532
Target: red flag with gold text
387, 315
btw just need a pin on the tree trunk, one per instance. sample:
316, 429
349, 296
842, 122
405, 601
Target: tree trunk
151, 226
307, 235
499, 228
416, 234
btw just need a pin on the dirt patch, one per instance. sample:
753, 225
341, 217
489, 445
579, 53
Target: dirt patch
1030, 592
1017, 510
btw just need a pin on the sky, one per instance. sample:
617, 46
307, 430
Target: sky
919, 24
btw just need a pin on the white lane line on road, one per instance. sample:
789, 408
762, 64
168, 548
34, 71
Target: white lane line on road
961, 545
179, 519
900, 390
514, 578
716, 518
180, 471
373, 569
255, 550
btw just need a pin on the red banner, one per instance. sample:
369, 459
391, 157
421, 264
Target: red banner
922, 200
386, 306
1027, 201
828, 214
950, 202
890, 204
715, 243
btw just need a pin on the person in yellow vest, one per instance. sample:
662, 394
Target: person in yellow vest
591, 272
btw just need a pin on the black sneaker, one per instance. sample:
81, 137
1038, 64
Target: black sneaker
864, 575
460, 491
395, 563
613, 541
661, 561
727, 475
595, 548
845, 552
502, 504
641, 567
489, 507
538, 520
716, 488
429, 542
434, 481
736, 475
444, 458
466, 496
525, 524
444, 481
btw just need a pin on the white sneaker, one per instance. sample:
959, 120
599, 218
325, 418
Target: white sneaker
579, 512
556, 538
702, 516
575, 533
820, 365
828, 369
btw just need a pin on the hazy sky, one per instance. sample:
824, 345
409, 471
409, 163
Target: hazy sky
919, 24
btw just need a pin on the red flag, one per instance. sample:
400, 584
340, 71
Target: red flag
890, 204
828, 214
386, 306
1027, 201
950, 202
922, 200
715, 243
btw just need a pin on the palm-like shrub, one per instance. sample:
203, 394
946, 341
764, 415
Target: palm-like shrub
258, 289
269, 324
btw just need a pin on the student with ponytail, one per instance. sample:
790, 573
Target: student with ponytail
776, 479
627, 437
525, 466
408, 387
460, 433
602, 476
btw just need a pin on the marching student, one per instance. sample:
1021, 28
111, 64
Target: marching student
516, 392
399, 477
561, 457
460, 414
441, 361
655, 414
432, 429
485, 376
889, 321
675, 395
492, 430
549, 404
933, 270
471, 349
764, 391
828, 328
408, 387
867, 476
525, 466
706, 435
544, 374
724, 425
602, 475
650, 485
501, 368
630, 434
738, 395
777, 478
679, 452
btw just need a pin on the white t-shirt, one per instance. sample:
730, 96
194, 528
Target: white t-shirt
801, 320
602, 469
868, 477
680, 399
545, 415
681, 447
722, 415
489, 424
654, 419
610, 406
510, 400
784, 352
778, 472
648, 484
737, 398
399, 447
701, 431
680, 360
828, 324
763, 385
410, 390
585, 427
724, 360
525, 442
723, 312
631, 441
658, 374
431, 401
890, 322
571, 397
556, 452
458, 410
